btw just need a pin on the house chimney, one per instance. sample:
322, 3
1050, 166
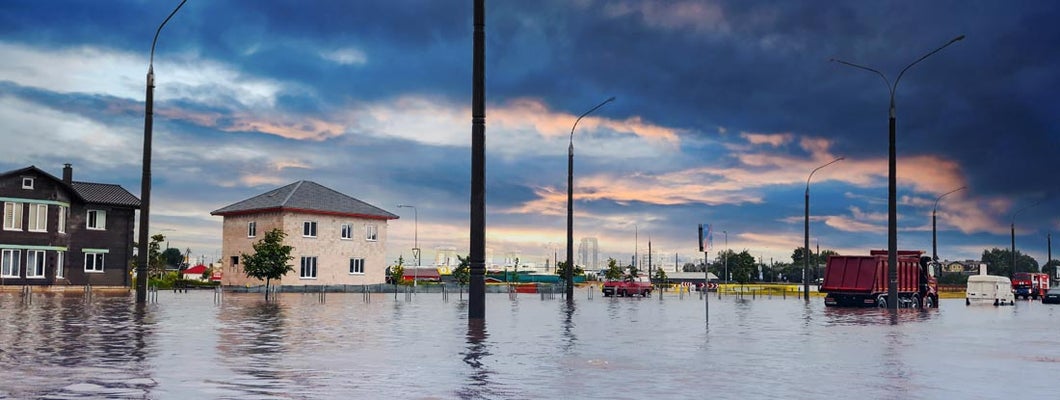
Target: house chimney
68, 174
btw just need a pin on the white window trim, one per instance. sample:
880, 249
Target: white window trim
16, 216
371, 232
302, 268
101, 220
59, 258
17, 259
40, 211
310, 226
346, 232
252, 229
362, 266
30, 185
102, 265
62, 219
39, 259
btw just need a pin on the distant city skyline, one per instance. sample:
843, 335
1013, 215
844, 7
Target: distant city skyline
722, 110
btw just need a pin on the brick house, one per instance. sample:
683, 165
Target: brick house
61, 232
336, 238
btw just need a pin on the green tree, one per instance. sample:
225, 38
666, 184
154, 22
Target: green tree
397, 271
269, 260
742, 267
462, 273
633, 272
660, 276
156, 264
613, 272
172, 258
999, 262
690, 267
561, 270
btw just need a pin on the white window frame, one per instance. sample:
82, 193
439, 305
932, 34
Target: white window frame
371, 232
26, 185
35, 260
59, 267
308, 268
96, 261
100, 219
346, 232
10, 260
357, 266
62, 219
252, 229
38, 218
309, 229
12, 216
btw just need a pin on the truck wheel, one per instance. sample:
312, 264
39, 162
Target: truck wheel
929, 302
881, 301
914, 301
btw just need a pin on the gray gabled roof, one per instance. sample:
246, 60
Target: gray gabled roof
106, 193
98, 193
306, 196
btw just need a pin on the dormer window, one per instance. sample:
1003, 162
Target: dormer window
27, 183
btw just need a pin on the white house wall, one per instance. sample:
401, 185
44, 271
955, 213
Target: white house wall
333, 253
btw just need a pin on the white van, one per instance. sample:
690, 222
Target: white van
990, 290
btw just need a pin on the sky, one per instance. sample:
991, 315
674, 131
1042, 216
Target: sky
722, 110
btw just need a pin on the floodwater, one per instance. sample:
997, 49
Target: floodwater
194, 346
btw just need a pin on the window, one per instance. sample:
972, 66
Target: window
309, 229
97, 219
347, 231
34, 263
27, 183
357, 266
62, 219
94, 262
252, 229
12, 216
309, 268
235, 260
59, 256
9, 263
371, 233
38, 218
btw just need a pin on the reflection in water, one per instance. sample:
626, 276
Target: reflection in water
187, 346
60, 346
478, 384
252, 339
569, 338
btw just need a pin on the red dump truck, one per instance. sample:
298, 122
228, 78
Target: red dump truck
1030, 285
861, 281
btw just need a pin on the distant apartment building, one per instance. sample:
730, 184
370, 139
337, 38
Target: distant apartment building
337, 239
63, 232
588, 254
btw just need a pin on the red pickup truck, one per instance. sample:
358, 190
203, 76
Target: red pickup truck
629, 286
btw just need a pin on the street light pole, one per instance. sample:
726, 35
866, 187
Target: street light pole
934, 237
806, 236
476, 306
726, 258
570, 203
145, 178
415, 241
892, 186
1013, 228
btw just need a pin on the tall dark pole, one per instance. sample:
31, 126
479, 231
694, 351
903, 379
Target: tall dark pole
145, 178
892, 185
934, 237
1013, 228
569, 274
477, 291
806, 236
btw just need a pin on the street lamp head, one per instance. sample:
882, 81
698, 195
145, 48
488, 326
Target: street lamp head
957, 39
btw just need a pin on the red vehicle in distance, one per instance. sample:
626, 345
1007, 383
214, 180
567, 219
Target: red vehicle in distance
1030, 285
628, 286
